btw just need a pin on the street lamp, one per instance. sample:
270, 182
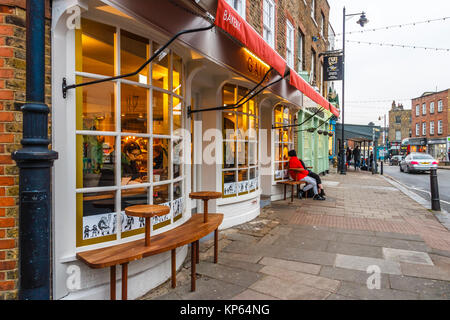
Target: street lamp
362, 21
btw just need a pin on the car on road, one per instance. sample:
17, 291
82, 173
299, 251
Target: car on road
395, 160
418, 162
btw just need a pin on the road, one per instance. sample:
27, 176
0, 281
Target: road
419, 183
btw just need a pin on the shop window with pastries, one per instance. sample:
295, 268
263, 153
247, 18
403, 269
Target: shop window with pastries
128, 147
283, 140
240, 143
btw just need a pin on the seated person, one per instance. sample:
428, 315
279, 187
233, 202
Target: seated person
129, 156
299, 173
316, 177
158, 157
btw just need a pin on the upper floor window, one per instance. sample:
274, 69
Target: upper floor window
322, 25
398, 135
424, 108
313, 66
417, 129
301, 40
269, 22
431, 127
313, 9
417, 110
432, 107
440, 128
239, 6
289, 44
424, 128
440, 107
398, 119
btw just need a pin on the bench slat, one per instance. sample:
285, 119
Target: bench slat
192, 230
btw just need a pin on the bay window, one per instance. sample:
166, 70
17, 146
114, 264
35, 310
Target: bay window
283, 141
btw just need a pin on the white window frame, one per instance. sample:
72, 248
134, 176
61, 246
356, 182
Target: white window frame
398, 135
432, 107
322, 25
424, 108
275, 144
239, 6
313, 10
300, 55
440, 106
431, 127
440, 127
424, 128
417, 129
417, 110
313, 67
290, 33
269, 22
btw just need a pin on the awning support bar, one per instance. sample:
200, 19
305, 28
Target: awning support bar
298, 124
66, 87
317, 126
239, 103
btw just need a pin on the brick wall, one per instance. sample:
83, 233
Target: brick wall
444, 96
12, 97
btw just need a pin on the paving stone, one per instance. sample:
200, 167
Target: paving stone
352, 275
287, 290
253, 267
317, 282
291, 265
355, 249
225, 273
314, 234
439, 260
362, 263
424, 271
357, 232
302, 242
253, 295
335, 296
209, 289
307, 256
426, 288
268, 239
408, 256
351, 289
400, 236
237, 236
240, 257
169, 296
384, 242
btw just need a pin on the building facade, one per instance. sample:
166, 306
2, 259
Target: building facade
148, 138
430, 120
399, 127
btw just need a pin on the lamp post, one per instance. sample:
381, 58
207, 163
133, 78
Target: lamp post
362, 21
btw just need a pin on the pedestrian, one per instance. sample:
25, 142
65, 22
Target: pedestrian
371, 161
299, 173
349, 156
316, 177
357, 157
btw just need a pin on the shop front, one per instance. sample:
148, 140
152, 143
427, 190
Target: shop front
191, 120
437, 148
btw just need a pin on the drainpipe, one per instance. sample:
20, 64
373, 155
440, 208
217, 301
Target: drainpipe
35, 161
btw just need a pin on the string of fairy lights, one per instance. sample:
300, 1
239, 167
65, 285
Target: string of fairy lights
405, 46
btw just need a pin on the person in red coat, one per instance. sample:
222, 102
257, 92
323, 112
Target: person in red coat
299, 173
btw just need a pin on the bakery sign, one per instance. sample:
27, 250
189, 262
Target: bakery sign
332, 68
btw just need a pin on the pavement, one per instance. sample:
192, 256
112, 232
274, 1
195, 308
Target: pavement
368, 240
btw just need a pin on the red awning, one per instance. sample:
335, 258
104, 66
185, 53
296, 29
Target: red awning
230, 21
307, 90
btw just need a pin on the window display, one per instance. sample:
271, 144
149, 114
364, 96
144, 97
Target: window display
283, 141
126, 133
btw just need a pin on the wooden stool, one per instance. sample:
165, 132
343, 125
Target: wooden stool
205, 196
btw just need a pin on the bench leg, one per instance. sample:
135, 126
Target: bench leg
292, 193
174, 268
125, 281
216, 245
193, 260
197, 251
284, 192
112, 282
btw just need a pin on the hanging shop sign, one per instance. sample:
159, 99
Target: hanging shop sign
332, 68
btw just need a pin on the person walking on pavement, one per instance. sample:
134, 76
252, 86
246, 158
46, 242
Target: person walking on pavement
357, 157
349, 156
299, 173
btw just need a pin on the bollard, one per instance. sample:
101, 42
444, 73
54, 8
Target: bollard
381, 168
435, 203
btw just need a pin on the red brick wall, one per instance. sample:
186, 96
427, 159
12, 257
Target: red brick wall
12, 97
444, 115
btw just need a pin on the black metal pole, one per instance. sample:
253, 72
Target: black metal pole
35, 161
435, 203
342, 151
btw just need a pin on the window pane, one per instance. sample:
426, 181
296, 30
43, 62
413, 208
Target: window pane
133, 53
95, 48
134, 105
161, 197
229, 183
177, 74
161, 117
160, 159
228, 94
243, 181
160, 72
242, 154
95, 106
131, 197
95, 161
241, 92
252, 153
242, 126
177, 115
134, 160
229, 125
229, 154
97, 214
177, 158
178, 200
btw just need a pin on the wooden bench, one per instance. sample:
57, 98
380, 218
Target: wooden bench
291, 183
188, 233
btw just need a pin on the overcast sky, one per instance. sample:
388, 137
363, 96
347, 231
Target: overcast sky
376, 73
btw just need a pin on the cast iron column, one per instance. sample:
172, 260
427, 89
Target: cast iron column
342, 151
35, 161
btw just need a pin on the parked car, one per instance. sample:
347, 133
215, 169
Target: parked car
395, 160
417, 162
